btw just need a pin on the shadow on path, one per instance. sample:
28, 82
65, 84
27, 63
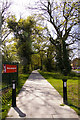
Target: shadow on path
21, 114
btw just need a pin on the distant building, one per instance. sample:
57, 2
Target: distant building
76, 63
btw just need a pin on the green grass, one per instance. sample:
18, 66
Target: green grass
55, 79
0, 86
7, 95
77, 70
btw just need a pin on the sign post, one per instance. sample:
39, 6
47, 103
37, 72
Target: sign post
12, 68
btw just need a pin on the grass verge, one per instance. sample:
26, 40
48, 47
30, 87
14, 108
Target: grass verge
7, 95
55, 79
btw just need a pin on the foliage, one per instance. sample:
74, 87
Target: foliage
35, 61
4, 15
9, 51
43, 47
40, 42
50, 55
58, 75
61, 28
22, 31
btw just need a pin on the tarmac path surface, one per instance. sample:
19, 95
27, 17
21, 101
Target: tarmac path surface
39, 99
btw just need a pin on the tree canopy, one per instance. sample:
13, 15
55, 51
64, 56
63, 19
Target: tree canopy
22, 31
32, 35
63, 18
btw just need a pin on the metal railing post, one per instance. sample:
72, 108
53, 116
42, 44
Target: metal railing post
65, 91
13, 93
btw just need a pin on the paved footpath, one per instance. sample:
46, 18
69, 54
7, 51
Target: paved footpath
38, 99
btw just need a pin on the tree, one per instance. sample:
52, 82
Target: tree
50, 55
35, 61
63, 17
40, 42
5, 5
4, 32
22, 31
9, 51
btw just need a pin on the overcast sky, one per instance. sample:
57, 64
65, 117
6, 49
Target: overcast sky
19, 7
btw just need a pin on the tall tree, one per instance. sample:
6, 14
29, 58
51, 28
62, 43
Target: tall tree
63, 18
50, 55
35, 61
5, 5
40, 42
22, 31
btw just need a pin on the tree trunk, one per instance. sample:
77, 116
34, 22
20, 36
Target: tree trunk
41, 64
66, 61
24, 69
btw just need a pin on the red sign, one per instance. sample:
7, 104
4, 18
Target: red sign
9, 68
